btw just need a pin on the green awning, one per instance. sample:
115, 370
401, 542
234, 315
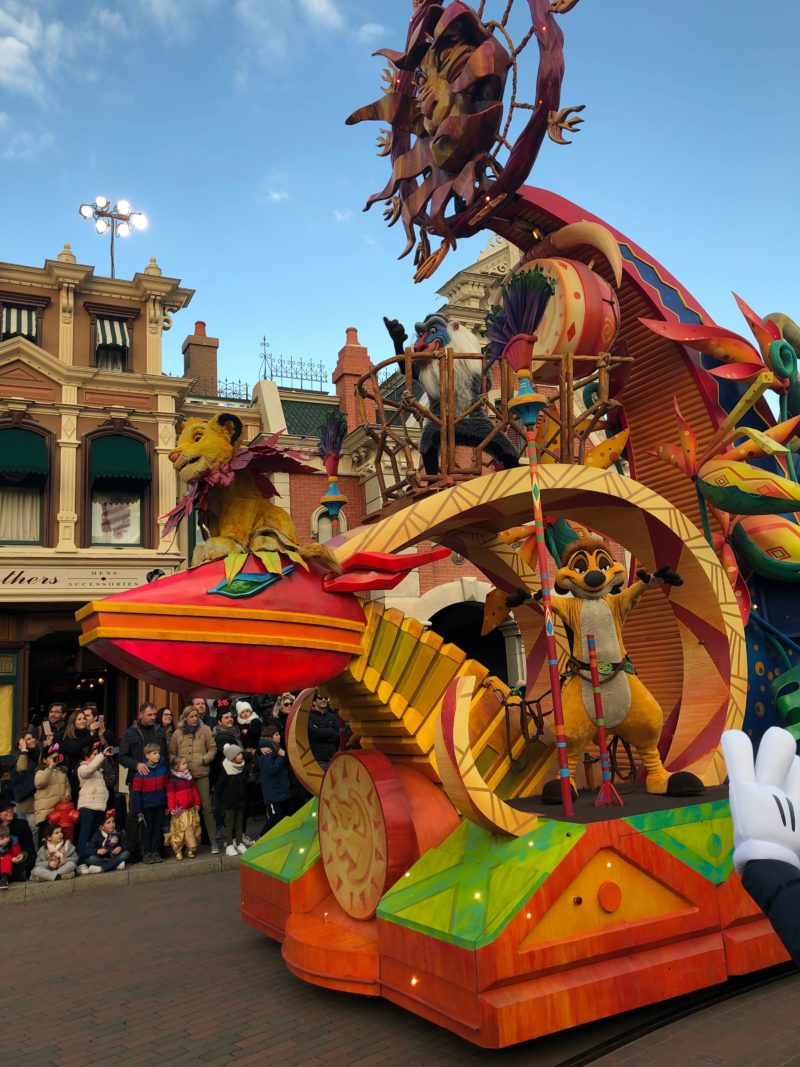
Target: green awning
23, 452
112, 332
19, 322
114, 457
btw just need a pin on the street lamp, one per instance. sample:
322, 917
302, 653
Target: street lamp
120, 219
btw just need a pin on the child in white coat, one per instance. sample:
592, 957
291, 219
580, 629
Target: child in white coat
92, 798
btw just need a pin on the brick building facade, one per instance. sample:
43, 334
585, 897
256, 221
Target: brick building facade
87, 422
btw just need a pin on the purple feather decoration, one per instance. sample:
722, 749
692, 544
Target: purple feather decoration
332, 433
523, 303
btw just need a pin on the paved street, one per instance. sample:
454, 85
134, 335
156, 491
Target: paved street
166, 974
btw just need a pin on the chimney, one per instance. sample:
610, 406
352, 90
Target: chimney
353, 361
200, 359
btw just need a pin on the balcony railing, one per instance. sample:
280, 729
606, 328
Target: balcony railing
400, 413
222, 389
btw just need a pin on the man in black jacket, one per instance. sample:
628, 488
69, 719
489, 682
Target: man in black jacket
765, 808
52, 729
20, 829
131, 755
323, 730
143, 732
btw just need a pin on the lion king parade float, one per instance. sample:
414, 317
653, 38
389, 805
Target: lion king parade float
506, 861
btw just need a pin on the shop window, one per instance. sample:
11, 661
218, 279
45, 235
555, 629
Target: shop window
321, 527
9, 700
117, 516
119, 483
24, 470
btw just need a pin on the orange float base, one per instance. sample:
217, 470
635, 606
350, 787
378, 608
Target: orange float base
628, 912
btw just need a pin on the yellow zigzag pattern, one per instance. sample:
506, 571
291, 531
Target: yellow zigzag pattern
392, 695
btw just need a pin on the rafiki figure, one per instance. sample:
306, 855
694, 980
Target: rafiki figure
434, 334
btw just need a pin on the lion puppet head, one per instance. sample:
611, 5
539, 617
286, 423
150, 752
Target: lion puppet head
204, 445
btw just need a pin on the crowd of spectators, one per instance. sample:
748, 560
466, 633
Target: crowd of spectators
74, 802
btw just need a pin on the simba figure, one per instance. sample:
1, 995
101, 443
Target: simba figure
629, 709
230, 488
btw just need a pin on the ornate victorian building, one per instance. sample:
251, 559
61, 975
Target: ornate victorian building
87, 422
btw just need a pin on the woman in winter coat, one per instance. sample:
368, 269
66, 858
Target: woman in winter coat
52, 785
23, 787
166, 720
194, 742
92, 798
77, 740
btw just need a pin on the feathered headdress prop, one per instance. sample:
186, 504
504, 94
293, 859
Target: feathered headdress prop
522, 304
332, 433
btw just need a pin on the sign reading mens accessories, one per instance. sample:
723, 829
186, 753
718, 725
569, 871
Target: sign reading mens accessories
45, 581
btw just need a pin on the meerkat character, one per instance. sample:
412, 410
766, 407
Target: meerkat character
599, 606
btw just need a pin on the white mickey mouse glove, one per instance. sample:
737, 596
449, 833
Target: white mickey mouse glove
765, 798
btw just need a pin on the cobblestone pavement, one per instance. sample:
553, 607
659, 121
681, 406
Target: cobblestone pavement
167, 975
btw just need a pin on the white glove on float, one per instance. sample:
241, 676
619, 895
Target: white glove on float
765, 798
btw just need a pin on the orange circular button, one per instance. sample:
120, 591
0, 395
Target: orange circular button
609, 896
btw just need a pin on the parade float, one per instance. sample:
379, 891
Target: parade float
640, 542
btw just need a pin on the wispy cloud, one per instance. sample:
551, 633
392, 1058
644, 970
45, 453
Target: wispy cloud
40, 52
25, 145
19, 72
345, 215
270, 29
36, 51
179, 18
370, 32
273, 196
325, 12
368, 239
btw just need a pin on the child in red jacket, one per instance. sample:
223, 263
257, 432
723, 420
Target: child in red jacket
10, 853
183, 803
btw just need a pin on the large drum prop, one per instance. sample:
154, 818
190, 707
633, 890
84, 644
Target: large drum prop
375, 821
582, 317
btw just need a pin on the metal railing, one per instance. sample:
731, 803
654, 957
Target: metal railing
222, 389
293, 373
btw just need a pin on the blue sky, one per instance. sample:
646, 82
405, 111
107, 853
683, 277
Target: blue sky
223, 120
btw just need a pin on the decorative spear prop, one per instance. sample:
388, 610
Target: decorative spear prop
511, 328
608, 794
331, 437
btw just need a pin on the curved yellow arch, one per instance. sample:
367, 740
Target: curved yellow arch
689, 639
298, 747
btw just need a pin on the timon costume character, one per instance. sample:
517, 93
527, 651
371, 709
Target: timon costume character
599, 606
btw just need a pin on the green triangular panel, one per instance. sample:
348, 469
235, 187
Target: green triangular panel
440, 907
699, 835
468, 889
289, 849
